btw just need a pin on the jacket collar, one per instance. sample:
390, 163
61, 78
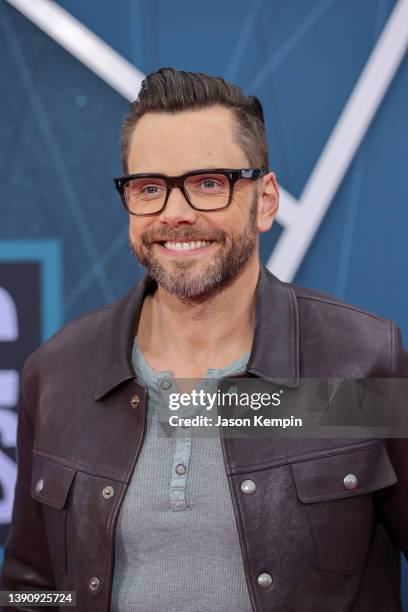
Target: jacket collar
275, 350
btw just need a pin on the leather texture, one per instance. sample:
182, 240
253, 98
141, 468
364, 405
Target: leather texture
81, 427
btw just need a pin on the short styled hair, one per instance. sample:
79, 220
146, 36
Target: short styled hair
172, 91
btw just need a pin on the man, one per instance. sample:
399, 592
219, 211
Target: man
131, 519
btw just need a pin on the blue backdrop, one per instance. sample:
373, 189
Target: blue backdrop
59, 130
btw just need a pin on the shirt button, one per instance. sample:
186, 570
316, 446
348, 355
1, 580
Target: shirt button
181, 468
350, 481
248, 487
265, 580
39, 486
135, 401
165, 384
94, 583
108, 492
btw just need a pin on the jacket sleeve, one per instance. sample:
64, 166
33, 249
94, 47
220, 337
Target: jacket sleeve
27, 563
393, 501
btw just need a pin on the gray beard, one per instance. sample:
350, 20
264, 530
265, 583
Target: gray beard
234, 253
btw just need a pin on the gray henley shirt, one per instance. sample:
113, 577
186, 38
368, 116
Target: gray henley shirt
177, 546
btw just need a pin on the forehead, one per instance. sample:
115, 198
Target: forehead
176, 143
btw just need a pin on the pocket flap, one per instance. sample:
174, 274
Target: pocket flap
50, 481
322, 478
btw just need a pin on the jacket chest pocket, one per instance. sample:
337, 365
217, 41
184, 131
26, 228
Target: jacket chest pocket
50, 485
336, 494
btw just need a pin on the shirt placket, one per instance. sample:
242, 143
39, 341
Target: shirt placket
183, 440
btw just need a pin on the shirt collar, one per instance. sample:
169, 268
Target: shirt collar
275, 349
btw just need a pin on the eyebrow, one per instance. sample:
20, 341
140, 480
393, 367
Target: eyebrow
212, 167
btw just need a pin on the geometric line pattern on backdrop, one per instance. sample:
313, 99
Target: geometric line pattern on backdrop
44, 125
301, 218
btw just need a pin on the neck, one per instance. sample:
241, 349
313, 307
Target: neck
208, 332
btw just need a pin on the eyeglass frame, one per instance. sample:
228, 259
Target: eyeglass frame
232, 174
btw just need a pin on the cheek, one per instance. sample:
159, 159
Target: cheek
240, 217
136, 229
241, 206
132, 234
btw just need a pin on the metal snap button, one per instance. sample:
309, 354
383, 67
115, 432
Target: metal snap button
248, 487
350, 481
94, 583
39, 486
165, 384
265, 580
108, 492
181, 468
135, 401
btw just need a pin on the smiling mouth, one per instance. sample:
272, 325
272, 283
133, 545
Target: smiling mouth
190, 245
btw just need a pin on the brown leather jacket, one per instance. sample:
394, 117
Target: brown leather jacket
81, 426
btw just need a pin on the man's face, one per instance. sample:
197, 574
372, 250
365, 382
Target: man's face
173, 145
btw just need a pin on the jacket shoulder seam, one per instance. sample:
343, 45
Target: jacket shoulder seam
345, 306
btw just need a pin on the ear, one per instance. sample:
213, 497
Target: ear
268, 202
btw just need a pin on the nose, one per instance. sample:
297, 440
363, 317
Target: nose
177, 209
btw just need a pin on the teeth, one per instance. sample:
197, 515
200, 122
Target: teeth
181, 246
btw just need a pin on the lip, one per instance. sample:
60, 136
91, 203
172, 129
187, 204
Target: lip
184, 252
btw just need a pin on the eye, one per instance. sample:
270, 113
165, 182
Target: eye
145, 189
149, 189
209, 183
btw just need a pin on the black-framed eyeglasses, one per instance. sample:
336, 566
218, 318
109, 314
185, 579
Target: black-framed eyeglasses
205, 190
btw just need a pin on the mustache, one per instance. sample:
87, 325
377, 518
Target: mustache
184, 234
